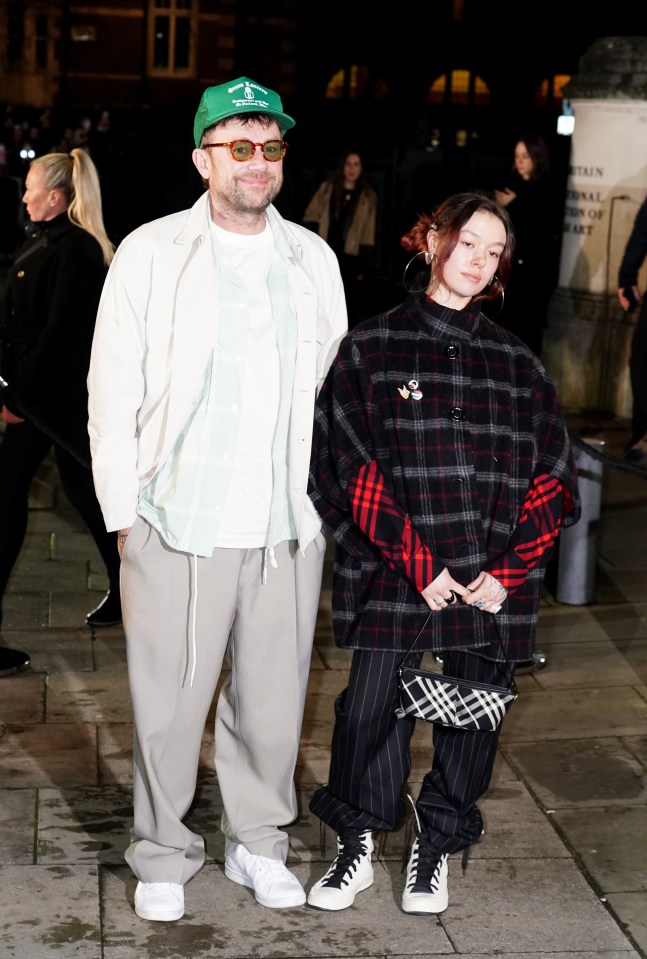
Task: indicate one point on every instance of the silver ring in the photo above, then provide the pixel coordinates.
(480, 603)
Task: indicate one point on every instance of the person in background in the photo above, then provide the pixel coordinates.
(631, 298)
(10, 209)
(530, 200)
(215, 330)
(53, 291)
(441, 464)
(343, 211)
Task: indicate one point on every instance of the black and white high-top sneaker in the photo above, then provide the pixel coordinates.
(350, 873)
(425, 887)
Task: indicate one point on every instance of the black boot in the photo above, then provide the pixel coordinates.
(108, 612)
(11, 660)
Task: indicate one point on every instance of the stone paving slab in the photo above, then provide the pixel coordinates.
(66, 921)
(22, 700)
(605, 665)
(115, 749)
(574, 624)
(630, 909)
(612, 843)
(576, 714)
(17, 818)
(528, 906)
(57, 650)
(48, 755)
(80, 697)
(584, 773)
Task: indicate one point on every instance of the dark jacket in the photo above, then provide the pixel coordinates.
(459, 462)
(635, 250)
(53, 293)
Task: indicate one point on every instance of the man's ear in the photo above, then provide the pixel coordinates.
(201, 163)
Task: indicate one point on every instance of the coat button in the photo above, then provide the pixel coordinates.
(451, 352)
(457, 413)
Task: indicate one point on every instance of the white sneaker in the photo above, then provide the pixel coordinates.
(350, 873)
(425, 887)
(274, 885)
(159, 901)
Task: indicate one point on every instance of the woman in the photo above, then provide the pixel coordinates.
(530, 201)
(54, 286)
(344, 211)
(442, 465)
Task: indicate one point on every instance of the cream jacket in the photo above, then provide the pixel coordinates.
(361, 231)
(156, 327)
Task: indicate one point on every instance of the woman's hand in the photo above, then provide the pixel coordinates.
(505, 196)
(443, 591)
(10, 417)
(486, 593)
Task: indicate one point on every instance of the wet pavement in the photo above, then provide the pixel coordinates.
(561, 872)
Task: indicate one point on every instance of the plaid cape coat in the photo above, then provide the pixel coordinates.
(458, 460)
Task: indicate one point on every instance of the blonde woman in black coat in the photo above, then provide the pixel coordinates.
(54, 287)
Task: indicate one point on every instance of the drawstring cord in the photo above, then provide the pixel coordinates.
(268, 552)
(194, 612)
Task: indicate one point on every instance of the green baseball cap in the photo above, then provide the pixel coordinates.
(238, 96)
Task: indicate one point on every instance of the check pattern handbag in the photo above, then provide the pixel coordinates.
(460, 703)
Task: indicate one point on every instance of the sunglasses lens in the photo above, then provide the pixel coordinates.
(242, 150)
(273, 150)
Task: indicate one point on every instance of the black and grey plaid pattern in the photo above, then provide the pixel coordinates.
(452, 702)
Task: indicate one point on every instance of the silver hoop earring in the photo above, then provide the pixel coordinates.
(502, 293)
(420, 281)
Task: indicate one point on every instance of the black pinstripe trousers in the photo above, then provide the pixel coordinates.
(371, 757)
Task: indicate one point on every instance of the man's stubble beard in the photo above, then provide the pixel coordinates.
(241, 202)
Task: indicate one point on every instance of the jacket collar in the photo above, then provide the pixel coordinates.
(196, 226)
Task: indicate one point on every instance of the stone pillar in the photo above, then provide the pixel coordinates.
(587, 339)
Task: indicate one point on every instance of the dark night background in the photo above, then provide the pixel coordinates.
(77, 61)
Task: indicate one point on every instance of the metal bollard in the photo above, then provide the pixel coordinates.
(578, 545)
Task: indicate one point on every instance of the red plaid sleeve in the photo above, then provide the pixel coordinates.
(389, 529)
(541, 518)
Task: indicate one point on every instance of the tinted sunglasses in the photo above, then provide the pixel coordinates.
(243, 150)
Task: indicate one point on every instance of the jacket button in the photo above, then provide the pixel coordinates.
(451, 352)
(457, 413)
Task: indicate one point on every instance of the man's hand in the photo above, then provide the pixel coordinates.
(122, 535)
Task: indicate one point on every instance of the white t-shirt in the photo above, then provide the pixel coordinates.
(246, 511)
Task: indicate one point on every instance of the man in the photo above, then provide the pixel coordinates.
(630, 297)
(215, 330)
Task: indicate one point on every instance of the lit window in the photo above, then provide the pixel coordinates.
(550, 92)
(357, 87)
(459, 89)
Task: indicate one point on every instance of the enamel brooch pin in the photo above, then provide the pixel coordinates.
(410, 390)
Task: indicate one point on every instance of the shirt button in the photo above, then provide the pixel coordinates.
(451, 352)
(457, 413)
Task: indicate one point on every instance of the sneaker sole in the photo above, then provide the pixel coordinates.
(287, 902)
(421, 910)
(168, 916)
(339, 902)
